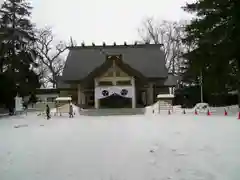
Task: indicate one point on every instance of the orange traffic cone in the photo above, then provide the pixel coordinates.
(208, 113)
(239, 115)
(225, 112)
(196, 113)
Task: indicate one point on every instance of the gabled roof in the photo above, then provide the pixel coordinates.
(147, 59)
(98, 71)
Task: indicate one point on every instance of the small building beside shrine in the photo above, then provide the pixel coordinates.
(116, 76)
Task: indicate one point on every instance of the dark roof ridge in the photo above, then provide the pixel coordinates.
(115, 46)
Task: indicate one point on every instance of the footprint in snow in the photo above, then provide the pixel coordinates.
(153, 149)
(20, 126)
(178, 153)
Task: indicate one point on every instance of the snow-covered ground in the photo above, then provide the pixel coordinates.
(151, 147)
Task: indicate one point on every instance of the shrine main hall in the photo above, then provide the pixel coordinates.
(116, 76)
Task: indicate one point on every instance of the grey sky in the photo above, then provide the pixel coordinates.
(103, 20)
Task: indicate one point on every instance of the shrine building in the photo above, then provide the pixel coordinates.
(116, 76)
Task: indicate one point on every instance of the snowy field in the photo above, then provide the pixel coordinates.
(149, 147)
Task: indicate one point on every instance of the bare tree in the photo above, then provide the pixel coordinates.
(169, 34)
(52, 62)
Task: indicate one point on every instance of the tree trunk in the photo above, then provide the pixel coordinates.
(238, 89)
(238, 83)
(1, 66)
(238, 98)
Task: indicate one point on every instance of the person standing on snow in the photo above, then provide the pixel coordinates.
(70, 111)
(48, 112)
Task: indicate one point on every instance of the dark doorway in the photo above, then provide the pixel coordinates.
(116, 101)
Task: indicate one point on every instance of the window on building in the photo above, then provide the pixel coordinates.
(123, 83)
(105, 83)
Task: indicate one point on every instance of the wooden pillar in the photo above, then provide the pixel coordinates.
(150, 94)
(159, 106)
(144, 97)
(133, 93)
(83, 101)
(79, 94)
(96, 101)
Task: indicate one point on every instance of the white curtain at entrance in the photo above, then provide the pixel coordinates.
(105, 91)
(124, 91)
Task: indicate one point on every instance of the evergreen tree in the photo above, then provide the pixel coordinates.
(17, 50)
(215, 33)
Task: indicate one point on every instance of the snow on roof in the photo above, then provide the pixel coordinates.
(162, 96)
(63, 99)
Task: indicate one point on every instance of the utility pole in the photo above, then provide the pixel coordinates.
(201, 86)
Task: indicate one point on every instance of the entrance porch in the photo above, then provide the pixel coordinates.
(120, 96)
(115, 84)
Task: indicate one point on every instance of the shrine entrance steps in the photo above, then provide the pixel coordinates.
(112, 111)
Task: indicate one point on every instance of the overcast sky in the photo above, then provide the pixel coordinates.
(103, 20)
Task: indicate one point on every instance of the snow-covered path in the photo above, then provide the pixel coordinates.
(120, 148)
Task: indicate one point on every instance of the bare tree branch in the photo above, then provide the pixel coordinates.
(51, 63)
(169, 34)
